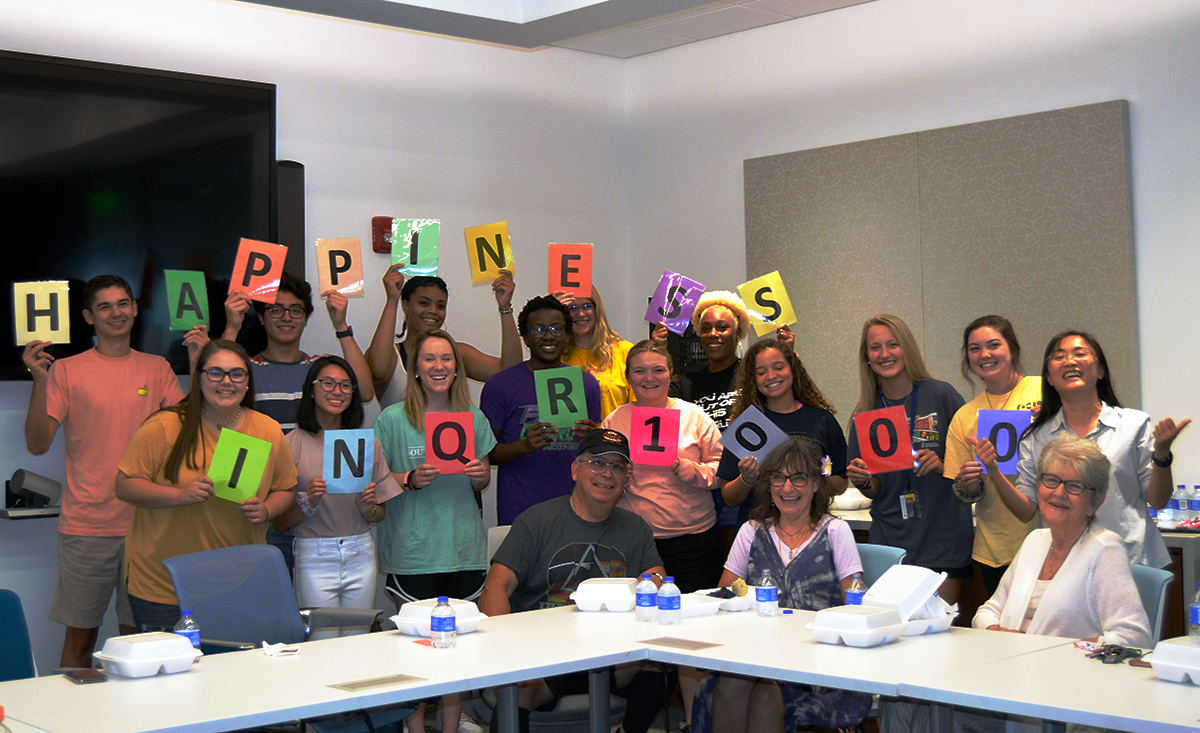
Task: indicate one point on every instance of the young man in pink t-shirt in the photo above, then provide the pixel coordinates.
(99, 398)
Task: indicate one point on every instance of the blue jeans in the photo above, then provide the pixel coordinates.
(151, 616)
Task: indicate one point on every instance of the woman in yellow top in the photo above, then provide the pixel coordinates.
(991, 352)
(598, 349)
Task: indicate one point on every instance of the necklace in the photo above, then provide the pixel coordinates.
(222, 423)
(1007, 396)
(792, 540)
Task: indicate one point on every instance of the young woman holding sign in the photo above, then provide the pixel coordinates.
(990, 351)
(335, 553)
(773, 379)
(431, 540)
(423, 301)
(164, 474)
(912, 508)
(598, 349)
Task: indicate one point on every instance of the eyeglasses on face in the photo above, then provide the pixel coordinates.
(329, 385)
(798, 480)
(553, 330)
(585, 307)
(277, 311)
(1052, 482)
(216, 374)
(618, 468)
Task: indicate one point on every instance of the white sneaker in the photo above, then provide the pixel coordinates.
(465, 724)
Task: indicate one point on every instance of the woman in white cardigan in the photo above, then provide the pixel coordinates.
(1071, 579)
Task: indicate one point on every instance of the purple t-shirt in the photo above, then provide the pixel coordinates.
(509, 401)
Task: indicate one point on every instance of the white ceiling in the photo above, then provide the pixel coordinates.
(618, 28)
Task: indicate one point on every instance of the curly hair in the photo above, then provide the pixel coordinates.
(725, 299)
(541, 303)
(796, 456)
(804, 389)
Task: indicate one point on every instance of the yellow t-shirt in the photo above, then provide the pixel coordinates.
(158, 534)
(614, 388)
(998, 533)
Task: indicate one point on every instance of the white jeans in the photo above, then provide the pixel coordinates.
(336, 572)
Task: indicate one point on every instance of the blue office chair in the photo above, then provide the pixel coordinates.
(1152, 584)
(876, 559)
(16, 653)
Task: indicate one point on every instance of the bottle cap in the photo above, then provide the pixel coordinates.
(443, 599)
(187, 612)
(645, 576)
(787, 611)
(669, 579)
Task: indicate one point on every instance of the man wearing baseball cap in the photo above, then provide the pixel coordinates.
(557, 544)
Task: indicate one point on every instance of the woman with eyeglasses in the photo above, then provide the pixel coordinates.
(164, 475)
(422, 301)
(811, 557)
(598, 349)
(1078, 398)
(335, 553)
(431, 540)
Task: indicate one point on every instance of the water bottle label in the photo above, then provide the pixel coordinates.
(1194, 614)
(766, 595)
(668, 603)
(193, 635)
(441, 624)
(647, 600)
(854, 597)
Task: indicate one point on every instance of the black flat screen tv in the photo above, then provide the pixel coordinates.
(129, 171)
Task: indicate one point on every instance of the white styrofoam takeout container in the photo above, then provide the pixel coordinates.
(920, 626)
(735, 604)
(413, 618)
(1177, 660)
(860, 626)
(145, 655)
(692, 605)
(615, 595)
(904, 588)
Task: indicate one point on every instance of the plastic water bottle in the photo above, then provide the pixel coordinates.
(647, 599)
(856, 590)
(187, 626)
(1168, 516)
(1194, 503)
(1153, 514)
(669, 613)
(1193, 619)
(766, 595)
(442, 630)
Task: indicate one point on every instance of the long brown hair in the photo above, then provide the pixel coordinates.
(191, 433)
(414, 394)
(914, 365)
(804, 389)
(796, 453)
(1003, 327)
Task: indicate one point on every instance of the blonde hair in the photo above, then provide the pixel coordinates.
(914, 365)
(600, 354)
(414, 393)
(725, 299)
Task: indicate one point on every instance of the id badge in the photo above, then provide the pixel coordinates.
(910, 506)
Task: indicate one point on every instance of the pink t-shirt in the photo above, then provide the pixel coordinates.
(841, 538)
(673, 505)
(100, 403)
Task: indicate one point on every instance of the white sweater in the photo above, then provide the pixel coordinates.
(1093, 594)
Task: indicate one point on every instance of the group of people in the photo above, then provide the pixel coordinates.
(137, 490)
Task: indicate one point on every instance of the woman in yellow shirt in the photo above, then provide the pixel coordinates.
(598, 349)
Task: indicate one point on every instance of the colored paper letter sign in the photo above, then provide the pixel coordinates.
(752, 434)
(349, 460)
(883, 439)
(257, 270)
(339, 267)
(40, 312)
(187, 296)
(571, 269)
(654, 436)
(673, 301)
(767, 302)
(238, 464)
(415, 245)
(1003, 428)
(449, 440)
(488, 251)
(560, 398)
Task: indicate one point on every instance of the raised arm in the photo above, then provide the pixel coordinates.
(381, 353)
(1162, 483)
(40, 428)
(337, 304)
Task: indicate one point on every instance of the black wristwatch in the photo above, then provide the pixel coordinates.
(1165, 463)
(343, 334)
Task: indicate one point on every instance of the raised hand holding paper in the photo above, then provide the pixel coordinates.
(767, 302)
(349, 460)
(883, 439)
(570, 269)
(257, 269)
(187, 296)
(1003, 429)
(449, 440)
(654, 436)
(40, 312)
(488, 251)
(560, 398)
(752, 434)
(674, 300)
(415, 244)
(238, 464)
(339, 267)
